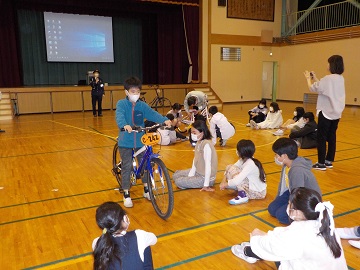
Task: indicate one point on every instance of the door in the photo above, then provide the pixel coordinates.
(269, 75)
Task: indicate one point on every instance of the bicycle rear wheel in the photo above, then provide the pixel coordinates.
(116, 170)
(162, 105)
(160, 188)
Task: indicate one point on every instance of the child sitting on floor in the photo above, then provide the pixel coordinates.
(305, 137)
(258, 113)
(247, 175)
(273, 119)
(220, 127)
(296, 121)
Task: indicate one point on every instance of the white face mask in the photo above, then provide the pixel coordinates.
(295, 113)
(261, 106)
(271, 109)
(278, 162)
(133, 97)
(194, 137)
(288, 213)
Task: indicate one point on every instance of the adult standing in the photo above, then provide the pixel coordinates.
(97, 92)
(330, 105)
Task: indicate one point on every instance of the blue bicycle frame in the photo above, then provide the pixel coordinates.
(149, 154)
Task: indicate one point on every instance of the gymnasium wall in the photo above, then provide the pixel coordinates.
(297, 58)
(238, 81)
(242, 81)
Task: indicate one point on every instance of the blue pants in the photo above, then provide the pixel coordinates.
(277, 208)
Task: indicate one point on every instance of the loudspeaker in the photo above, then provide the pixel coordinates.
(266, 36)
(222, 3)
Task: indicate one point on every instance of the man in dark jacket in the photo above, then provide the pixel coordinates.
(306, 137)
(97, 92)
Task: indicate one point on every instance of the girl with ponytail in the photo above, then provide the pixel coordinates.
(117, 249)
(310, 242)
(247, 175)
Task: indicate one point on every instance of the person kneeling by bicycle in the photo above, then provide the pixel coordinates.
(131, 112)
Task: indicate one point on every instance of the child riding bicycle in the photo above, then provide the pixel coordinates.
(131, 112)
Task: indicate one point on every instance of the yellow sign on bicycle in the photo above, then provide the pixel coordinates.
(150, 138)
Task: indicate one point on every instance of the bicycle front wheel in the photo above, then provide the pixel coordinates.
(160, 188)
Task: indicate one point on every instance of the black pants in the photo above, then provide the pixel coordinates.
(258, 118)
(248, 252)
(326, 132)
(98, 99)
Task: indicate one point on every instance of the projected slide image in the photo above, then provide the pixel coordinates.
(78, 38)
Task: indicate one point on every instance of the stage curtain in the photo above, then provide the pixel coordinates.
(9, 59)
(191, 25)
(172, 56)
(149, 49)
(37, 71)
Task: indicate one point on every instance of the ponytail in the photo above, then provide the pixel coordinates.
(329, 236)
(261, 169)
(309, 202)
(105, 252)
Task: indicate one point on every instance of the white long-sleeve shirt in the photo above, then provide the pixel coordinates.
(331, 98)
(273, 120)
(144, 239)
(207, 158)
(226, 129)
(250, 171)
(300, 123)
(298, 247)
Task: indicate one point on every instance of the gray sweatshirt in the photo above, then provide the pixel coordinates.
(331, 99)
(299, 175)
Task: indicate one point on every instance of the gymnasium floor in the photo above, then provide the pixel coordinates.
(55, 172)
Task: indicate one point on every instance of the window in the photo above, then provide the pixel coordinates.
(230, 54)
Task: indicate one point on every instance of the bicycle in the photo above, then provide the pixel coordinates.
(189, 119)
(158, 101)
(156, 173)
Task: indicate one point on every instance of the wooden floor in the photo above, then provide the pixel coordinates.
(55, 172)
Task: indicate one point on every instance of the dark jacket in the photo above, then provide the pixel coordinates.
(306, 135)
(97, 88)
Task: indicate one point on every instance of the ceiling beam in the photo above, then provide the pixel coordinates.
(303, 17)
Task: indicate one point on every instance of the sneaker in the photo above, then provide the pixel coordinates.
(128, 202)
(355, 243)
(279, 132)
(318, 166)
(223, 143)
(238, 251)
(328, 164)
(238, 200)
(347, 233)
(253, 124)
(248, 125)
(147, 196)
(185, 139)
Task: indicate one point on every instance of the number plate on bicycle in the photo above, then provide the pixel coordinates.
(150, 138)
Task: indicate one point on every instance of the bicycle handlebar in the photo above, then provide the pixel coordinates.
(143, 129)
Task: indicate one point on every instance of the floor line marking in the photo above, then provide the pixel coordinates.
(163, 237)
(82, 129)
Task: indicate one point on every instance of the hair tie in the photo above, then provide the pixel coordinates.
(320, 207)
(104, 230)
